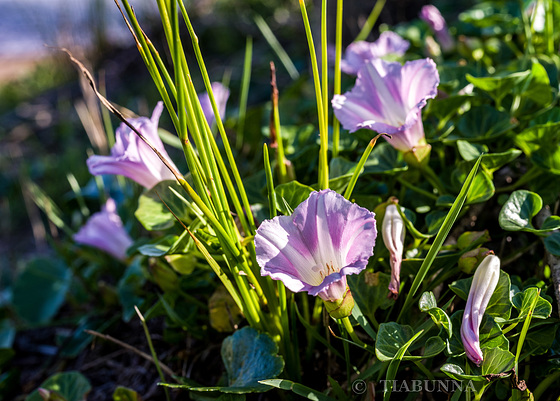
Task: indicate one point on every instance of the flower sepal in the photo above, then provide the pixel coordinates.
(341, 307)
(418, 156)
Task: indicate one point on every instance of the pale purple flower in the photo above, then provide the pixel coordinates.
(437, 23)
(221, 95)
(326, 238)
(483, 285)
(131, 157)
(393, 237)
(387, 98)
(357, 53)
(104, 230)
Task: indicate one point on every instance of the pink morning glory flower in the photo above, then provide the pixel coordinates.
(437, 23)
(221, 95)
(131, 157)
(483, 285)
(104, 230)
(387, 98)
(357, 53)
(326, 238)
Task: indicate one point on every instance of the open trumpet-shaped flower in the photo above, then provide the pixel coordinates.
(104, 230)
(431, 15)
(131, 157)
(387, 97)
(393, 237)
(357, 53)
(483, 285)
(326, 238)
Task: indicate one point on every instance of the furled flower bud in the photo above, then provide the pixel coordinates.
(393, 237)
(437, 23)
(483, 285)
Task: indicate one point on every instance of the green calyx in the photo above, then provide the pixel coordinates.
(341, 307)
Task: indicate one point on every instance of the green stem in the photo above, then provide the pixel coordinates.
(432, 178)
(321, 109)
(524, 331)
(371, 20)
(509, 328)
(152, 351)
(221, 129)
(350, 330)
(245, 82)
(280, 160)
(416, 189)
(530, 175)
(337, 74)
(269, 183)
(545, 384)
(359, 168)
(529, 50)
(549, 26)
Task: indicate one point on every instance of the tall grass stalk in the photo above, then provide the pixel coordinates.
(321, 107)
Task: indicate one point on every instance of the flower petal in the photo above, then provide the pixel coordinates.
(104, 230)
(326, 238)
(132, 157)
(358, 53)
(221, 95)
(387, 97)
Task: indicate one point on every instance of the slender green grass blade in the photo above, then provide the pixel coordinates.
(371, 20)
(394, 367)
(440, 237)
(245, 83)
(269, 183)
(277, 47)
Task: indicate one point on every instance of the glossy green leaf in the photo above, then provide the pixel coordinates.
(290, 195)
(499, 304)
(384, 159)
(428, 304)
(73, 386)
(519, 210)
(390, 339)
(496, 361)
(456, 372)
(152, 212)
(472, 239)
(552, 243)
(500, 85)
(540, 143)
(129, 289)
(483, 123)
(394, 365)
(370, 291)
(482, 187)
(523, 301)
(540, 339)
(393, 336)
(434, 221)
(493, 161)
(250, 357)
(470, 151)
(125, 394)
(40, 289)
(297, 388)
